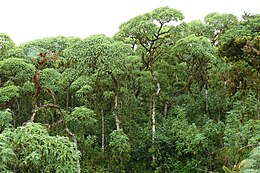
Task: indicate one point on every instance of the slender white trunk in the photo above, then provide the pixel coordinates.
(116, 102)
(115, 114)
(103, 131)
(165, 110)
(157, 92)
(158, 89)
(153, 118)
(153, 124)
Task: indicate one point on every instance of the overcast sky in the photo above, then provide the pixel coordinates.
(25, 20)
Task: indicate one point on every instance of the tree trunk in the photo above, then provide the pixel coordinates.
(103, 131)
(116, 102)
(72, 101)
(165, 110)
(156, 94)
(153, 123)
(115, 114)
(206, 100)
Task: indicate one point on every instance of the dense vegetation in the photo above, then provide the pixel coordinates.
(162, 95)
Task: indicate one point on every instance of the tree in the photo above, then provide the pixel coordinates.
(5, 119)
(148, 33)
(197, 54)
(15, 86)
(102, 56)
(241, 42)
(153, 98)
(179, 144)
(251, 164)
(241, 130)
(6, 44)
(120, 149)
(31, 149)
(240, 45)
(100, 63)
(218, 23)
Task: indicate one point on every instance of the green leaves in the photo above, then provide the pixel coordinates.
(241, 130)
(149, 33)
(146, 25)
(120, 148)
(5, 119)
(252, 163)
(7, 154)
(15, 70)
(165, 15)
(179, 143)
(220, 21)
(51, 79)
(6, 44)
(198, 47)
(36, 151)
(119, 143)
(81, 118)
(8, 92)
(241, 42)
(205, 107)
(50, 44)
(98, 53)
(197, 54)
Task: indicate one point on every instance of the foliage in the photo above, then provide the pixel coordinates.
(241, 130)
(81, 119)
(197, 54)
(252, 163)
(5, 119)
(8, 92)
(31, 149)
(120, 149)
(6, 44)
(16, 71)
(241, 42)
(161, 95)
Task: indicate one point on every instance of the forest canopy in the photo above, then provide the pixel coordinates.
(161, 95)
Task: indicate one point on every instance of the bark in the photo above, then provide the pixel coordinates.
(72, 101)
(165, 110)
(158, 85)
(156, 94)
(206, 100)
(37, 108)
(116, 102)
(115, 114)
(103, 131)
(153, 123)
(153, 118)
(51, 106)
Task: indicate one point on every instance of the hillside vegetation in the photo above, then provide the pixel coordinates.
(162, 95)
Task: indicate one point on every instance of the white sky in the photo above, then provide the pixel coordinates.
(25, 20)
